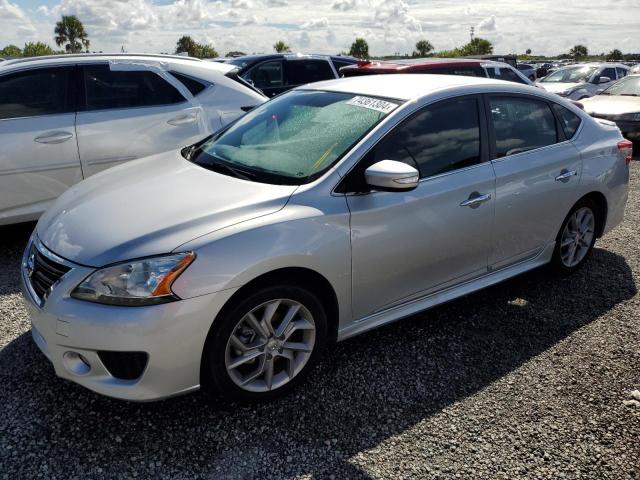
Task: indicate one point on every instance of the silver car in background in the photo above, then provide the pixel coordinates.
(328, 211)
(64, 118)
(580, 81)
(619, 103)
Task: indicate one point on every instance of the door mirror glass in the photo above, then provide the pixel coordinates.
(604, 80)
(391, 176)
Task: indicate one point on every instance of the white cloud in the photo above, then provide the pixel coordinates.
(488, 24)
(314, 24)
(329, 27)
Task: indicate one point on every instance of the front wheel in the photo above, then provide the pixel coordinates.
(265, 345)
(576, 237)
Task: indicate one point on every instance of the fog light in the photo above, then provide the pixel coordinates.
(76, 363)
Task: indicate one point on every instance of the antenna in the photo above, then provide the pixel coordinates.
(472, 30)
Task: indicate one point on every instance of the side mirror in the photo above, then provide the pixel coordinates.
(392, 176)
(604, 80)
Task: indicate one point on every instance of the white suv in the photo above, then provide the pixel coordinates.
(64, 118)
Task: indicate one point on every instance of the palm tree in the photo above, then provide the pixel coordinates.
(70, 32)
(281, 47)
(423, 48)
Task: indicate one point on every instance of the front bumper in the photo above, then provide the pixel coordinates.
(172, 335)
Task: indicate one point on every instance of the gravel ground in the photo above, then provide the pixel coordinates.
(523, 380)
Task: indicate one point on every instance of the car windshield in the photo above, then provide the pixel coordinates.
(571, 75)
(295, 137)
(629, 86)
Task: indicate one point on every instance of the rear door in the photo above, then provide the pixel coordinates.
(39, 154)
(128, 113)
(537, 174)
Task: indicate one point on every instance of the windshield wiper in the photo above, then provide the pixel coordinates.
(229, 170)
(630, 95)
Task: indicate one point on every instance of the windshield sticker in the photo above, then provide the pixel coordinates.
(372, 104)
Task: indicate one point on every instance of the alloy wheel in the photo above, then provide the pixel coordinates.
(270, 345)
(577, 237)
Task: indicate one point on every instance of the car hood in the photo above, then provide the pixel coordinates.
(558, 87)
(149, 207)
(611, 104)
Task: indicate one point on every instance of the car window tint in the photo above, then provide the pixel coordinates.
(568, 120)
(299, 72)
(503, 73)
(443, 137)
(106, 88)
(621, 72)
(31, 93)
(608, 72)
(193, 85)
(466, 71)
(266, 75)
(338, 64)
(521, 124)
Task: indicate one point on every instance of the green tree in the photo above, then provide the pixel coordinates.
(359, 48)
(477, 46)
(70, 32)
(10, 51)
(37, 49)
(578, 52)
(281, 47)
(188, 45)
(235, 53)
(528, 52)
(615, 54)
(423, 48)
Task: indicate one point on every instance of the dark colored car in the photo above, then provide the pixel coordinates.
(277, 73)
(442, 66)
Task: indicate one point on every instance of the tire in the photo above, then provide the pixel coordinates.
(238, 368)
(562, 262)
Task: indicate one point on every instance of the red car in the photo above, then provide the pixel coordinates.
(442, 66)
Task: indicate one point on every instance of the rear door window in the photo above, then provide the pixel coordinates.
(193, 85)
(299, 72)
(621, 72)
(441, 138)
(42, 91)
(112, 89)
(266, 75)
(609, 72)
(521, 124)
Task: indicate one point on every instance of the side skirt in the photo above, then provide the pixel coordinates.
(414, 306)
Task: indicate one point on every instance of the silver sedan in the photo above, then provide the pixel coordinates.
(326, 212)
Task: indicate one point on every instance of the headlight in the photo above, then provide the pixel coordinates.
(140, 282)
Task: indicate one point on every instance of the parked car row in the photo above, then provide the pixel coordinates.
(583, 80)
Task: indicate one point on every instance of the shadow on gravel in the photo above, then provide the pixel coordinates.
(13, 239)
(367, 390)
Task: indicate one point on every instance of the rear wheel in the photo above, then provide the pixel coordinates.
(576, 237)
(266, 345)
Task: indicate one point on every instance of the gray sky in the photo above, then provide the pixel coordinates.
(544, 26)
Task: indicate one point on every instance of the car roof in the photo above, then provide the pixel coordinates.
(406, 86)
(105, 57)
(595, 64)
(418, 64)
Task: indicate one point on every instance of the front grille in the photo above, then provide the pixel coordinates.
(43, 272)
(124, 365)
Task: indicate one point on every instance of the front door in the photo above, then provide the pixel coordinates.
(39, 154)
(408, 244)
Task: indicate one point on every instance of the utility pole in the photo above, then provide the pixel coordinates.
(472, 31)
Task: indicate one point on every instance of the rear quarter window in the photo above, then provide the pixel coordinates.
(193, 85)
(569, 121)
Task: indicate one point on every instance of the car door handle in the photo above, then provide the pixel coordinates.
(565, 175)
(186, 119)
(55, 137)
(475, 199)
